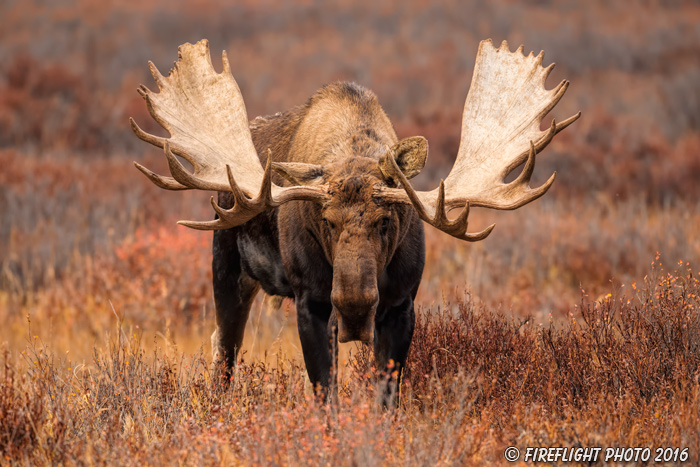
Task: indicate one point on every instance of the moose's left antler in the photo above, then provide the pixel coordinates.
(505, 106)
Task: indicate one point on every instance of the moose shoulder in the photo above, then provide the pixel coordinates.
(332, 221)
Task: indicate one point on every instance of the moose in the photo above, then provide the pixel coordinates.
(316, 203)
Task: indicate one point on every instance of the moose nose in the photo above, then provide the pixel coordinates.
(357, 303)
(355, 295)
(355, 315)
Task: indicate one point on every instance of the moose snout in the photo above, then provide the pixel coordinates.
(352, 303)
(352, 327)
(355, 294)
(355, 315)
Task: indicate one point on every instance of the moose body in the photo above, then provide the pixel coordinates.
(372, 273)
(316, 203)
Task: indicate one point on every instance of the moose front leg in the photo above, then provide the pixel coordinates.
(392, 338)
(318, 344)
(234, 292)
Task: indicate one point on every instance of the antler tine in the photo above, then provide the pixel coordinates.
(157, 77)
(547, 138)
(182, 175)
(185, 177)
(238, 195)
(554, 130)
(559, 92)
(216, 224)
(457, 227)
(526, 174)
(177, 170)
(395, 172)
(243, 208)
(568, 121)
(147, 137)
(440, 214)
(476, 237)
(539, 146)
(521, 185)
(265, 194)
(227, 216)
(167, 183)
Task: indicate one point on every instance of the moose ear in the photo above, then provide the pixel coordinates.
(410, 155)
(300, 173)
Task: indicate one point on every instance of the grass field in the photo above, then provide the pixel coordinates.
(576, 323)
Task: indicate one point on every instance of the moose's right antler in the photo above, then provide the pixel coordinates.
(505, 106)
(205, 115)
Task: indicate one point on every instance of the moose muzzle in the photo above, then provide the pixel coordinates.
(356, 328)
(355, 298)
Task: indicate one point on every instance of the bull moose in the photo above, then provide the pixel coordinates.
(315, 203)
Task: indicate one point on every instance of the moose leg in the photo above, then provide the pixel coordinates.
(318, 344)
(392, 339)
(234, 292)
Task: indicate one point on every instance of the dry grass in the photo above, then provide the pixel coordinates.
(622, 371)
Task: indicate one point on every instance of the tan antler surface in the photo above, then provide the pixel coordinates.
(506, 104)
(205, 115)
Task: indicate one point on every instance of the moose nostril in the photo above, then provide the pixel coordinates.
(363, 301)
(338, 301)
(371, 299)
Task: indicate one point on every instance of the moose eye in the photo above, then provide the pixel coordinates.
(329, 224)
(384, 225)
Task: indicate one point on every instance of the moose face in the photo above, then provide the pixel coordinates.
(357, 228)
(359, 236)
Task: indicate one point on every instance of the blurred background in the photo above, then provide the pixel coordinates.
(85, 237)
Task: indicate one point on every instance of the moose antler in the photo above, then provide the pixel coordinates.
(505, 106)
(205, 115)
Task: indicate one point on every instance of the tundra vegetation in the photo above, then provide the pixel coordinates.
(575, 323)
